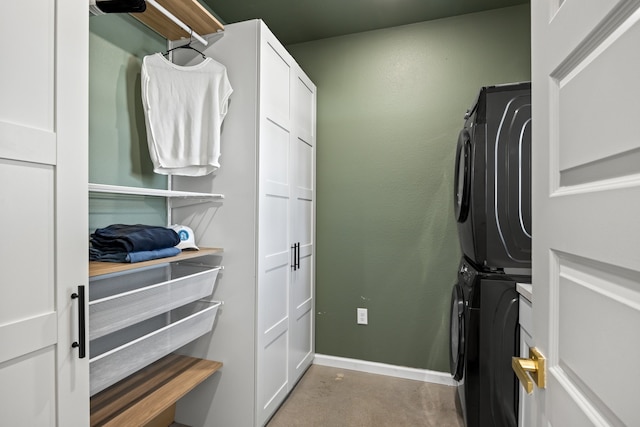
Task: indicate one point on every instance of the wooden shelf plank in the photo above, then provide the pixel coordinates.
(138, 399)
(191, 12)
(98, 268)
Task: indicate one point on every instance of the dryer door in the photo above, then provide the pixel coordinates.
(462, 186)
(456, 348)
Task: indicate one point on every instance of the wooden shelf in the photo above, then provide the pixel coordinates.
(98, 268)
(191, 12)
(138, 399)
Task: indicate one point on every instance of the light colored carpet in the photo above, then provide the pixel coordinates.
(333, 397)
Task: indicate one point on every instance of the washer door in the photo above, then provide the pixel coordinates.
(462, 186)
(456, 348)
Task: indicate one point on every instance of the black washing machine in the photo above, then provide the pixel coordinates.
(493, 179)
(463, 349)
(484, 338)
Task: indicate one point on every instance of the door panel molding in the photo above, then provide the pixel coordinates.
(27, 144)
(28, 335)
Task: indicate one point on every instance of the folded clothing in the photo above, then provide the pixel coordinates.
(119, 238)
(107, 256)
(155, 254)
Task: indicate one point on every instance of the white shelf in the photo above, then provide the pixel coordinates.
(138, 191)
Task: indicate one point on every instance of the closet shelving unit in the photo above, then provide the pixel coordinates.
(151, 392)
(149, 395)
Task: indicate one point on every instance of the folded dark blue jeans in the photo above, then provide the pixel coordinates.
(133, 238)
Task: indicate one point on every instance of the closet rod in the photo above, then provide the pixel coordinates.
(178, 22)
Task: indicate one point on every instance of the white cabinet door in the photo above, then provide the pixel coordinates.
(586, 210)
(286, 225)
(301, 295)
(274, 247)
(43, 256)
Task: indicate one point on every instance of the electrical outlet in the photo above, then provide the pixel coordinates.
(362, 316)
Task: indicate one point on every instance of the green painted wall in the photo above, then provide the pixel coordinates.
(118, 152)
(390, 105)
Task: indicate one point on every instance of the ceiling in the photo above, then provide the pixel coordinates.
(297, 21)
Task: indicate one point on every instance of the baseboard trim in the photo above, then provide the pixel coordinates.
(385, 369)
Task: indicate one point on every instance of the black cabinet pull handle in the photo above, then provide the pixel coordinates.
(293, 259)
(81, 344)
(298, 256)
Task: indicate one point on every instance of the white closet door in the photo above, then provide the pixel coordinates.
(43, 256)
(301, 303)
(274, 238)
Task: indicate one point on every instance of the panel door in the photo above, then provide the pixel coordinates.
(586, 205)
(274, 247)
(301, 304)
(43, 256)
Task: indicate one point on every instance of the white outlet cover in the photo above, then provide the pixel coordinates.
(362, 316)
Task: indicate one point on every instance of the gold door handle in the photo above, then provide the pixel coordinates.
(530, 370)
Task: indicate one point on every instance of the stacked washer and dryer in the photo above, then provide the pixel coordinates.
(493, 211)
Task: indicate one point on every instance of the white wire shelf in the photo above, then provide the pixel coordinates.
(154, 192)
